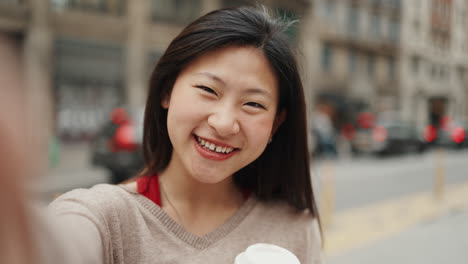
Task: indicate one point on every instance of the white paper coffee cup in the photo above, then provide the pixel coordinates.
(266, 254)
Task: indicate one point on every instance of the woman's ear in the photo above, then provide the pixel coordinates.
(165, 102)
(278, 121)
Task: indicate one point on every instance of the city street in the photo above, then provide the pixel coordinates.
(358, 181)
(364, 180)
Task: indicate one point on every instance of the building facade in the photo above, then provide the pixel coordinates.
(434, 61)
(85, 57)
(357, 55)
(394, 58)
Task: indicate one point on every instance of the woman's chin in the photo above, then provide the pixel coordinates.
(209, 175)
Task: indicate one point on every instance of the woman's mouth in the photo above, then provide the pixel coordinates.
(206, 144)
(213, 150)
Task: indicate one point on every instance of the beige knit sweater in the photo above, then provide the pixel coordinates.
(113, 224)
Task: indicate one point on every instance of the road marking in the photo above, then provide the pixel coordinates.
(358, 227)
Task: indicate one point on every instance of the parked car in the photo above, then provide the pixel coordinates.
(453, 136)
(117, 145)
(391, 137)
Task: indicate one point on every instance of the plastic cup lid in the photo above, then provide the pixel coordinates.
(266, 254)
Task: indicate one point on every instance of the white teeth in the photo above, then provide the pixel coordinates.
(213, 147)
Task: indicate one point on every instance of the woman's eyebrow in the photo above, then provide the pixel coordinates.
(213, 77)
(258, 91)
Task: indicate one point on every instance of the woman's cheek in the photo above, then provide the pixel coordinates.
(260, 129)
(194, 112)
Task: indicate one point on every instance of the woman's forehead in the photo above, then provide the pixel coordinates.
(235, 65)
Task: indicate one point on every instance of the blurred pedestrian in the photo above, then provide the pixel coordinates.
(225, 145)
(324, 131)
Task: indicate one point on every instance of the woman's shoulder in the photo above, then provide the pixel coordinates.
(283, 214)
(283, 210)
(98, 198)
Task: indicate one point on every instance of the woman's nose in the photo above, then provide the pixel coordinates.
(224, 121)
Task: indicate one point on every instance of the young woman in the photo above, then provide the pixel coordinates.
(225, 145)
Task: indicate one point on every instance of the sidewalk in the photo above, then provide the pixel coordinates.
(74, 170)
(412, 229)
(437, 241)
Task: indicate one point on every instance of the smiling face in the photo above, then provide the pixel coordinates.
(221, 113)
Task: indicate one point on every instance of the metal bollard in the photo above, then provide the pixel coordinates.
(439, 180)
(328, 193)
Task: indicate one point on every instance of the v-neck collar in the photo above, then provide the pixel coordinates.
(195, 241)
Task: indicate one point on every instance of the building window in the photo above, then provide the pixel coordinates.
(433, 71)
(353, 21)
(375, 26)
(376, 3)
(352, 62)
(444, 72)
(152, 60)
(365, 22)
(415, 62)
(385, 28)
(391, 68)
(234, 3)
(13, 2)
(394, 31)
(175, 11)
(88, 85)
(371, 65)
(395, 3)
(102, 6)
(461, 74)
(329, 8)
(327, 57)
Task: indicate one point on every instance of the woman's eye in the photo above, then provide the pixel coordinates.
(206, 89)
(254, 104)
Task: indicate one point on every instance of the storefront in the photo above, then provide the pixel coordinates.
(88, 82)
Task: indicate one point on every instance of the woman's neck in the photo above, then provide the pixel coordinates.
(183, 189)
(198, 207)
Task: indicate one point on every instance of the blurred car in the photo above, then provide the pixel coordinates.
(117, 145)
(391, 137)
(453, 136)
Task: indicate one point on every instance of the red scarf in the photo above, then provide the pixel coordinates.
(148, 186)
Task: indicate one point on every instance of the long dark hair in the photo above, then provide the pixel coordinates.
(282, 170)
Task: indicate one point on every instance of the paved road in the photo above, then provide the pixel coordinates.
(363, 181)
(435, 241)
